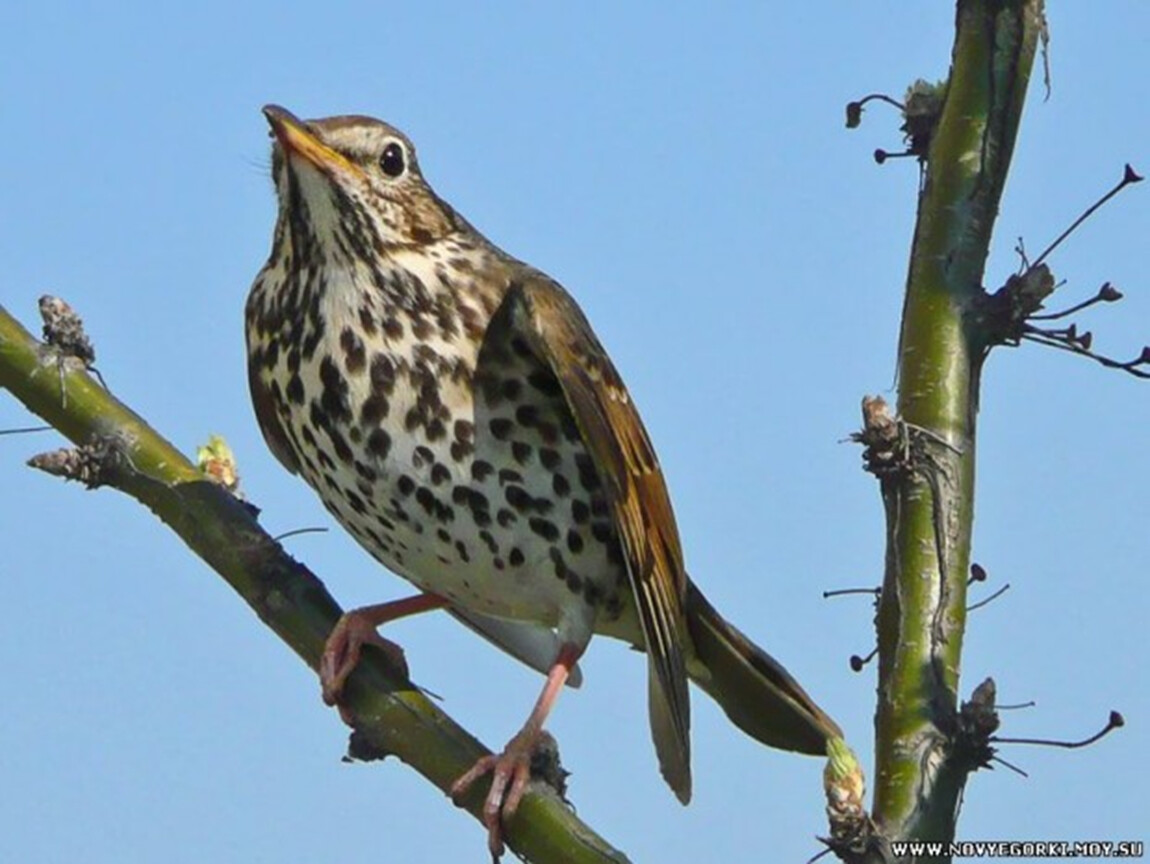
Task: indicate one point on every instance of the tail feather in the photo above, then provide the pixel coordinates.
(753, 688)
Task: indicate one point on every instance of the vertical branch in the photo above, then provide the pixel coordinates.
(930, 507)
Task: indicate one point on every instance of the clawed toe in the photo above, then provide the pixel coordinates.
(510, 771)
(342, 652)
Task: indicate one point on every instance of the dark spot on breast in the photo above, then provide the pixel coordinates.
(560, 486)
(295, 392)
(355, 502)
(463, 430)
(339, 443)
(334, 397)
(378, 443)
(355, 358)
(367, 321)
(442, 534)
(382, 374)
(435, 430)
(570, 430)
(413, 420)
(481, 470)
(405, 485)
(518, 498)
(580, 512)
(515, 557)
(588, 476)
(318, 417)
(527, 415)
(426, 499)
(549, 458)
(506, 518)
(365, 471)
(545, 528)
(420, 328)
(615, 555)
(374, 409)
(489, 541)
(500, 427)
(509, 475)
(521, 451)
(392, 326)
(511, 388)
(422, 455)
(439, 474)
(462, 550)
(574, 542)
(545, 382)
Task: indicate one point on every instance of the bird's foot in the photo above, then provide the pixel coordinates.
(510, 771)
(342, 651)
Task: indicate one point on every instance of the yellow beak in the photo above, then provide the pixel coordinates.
(296, 140)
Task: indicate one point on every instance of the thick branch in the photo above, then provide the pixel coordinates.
(929, 506)
(390, 713)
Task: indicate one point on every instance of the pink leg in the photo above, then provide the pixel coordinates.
(358, 628)
(513, 765)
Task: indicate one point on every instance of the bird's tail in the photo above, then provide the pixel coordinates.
(753, 688)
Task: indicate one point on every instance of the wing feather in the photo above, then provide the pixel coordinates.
(542, 313)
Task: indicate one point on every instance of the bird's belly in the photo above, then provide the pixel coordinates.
(504, 525)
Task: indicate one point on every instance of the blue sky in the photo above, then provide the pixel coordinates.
(686, 174)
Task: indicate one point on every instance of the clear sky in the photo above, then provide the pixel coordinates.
(685, 172)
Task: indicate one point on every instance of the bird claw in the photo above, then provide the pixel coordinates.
(342, 651)
(510, 771)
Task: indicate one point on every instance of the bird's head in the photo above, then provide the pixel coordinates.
(352, 185)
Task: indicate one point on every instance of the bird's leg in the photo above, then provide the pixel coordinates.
(358, 628)
(511, 769)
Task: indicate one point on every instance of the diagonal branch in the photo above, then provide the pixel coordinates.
(391, 714)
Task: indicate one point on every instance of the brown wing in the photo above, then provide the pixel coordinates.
(544, 315)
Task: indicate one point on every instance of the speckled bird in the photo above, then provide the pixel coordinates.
(455, 412)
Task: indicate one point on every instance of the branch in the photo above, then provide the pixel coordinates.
(391, 716)
(929, 501)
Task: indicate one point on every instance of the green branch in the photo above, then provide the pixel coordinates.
(930, 504)
(391, 715)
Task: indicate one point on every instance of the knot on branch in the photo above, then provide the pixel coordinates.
(893, 448)
(94, 464)
(64, 331)
(883, 438)
(921, 109)
(1009, 315)
(977, 721)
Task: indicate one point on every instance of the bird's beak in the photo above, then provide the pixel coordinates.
(295, 139)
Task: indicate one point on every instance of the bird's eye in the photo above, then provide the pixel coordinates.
(393, 161)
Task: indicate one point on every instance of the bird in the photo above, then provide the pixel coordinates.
(455, 412)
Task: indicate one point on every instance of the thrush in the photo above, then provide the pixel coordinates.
(454, 411)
